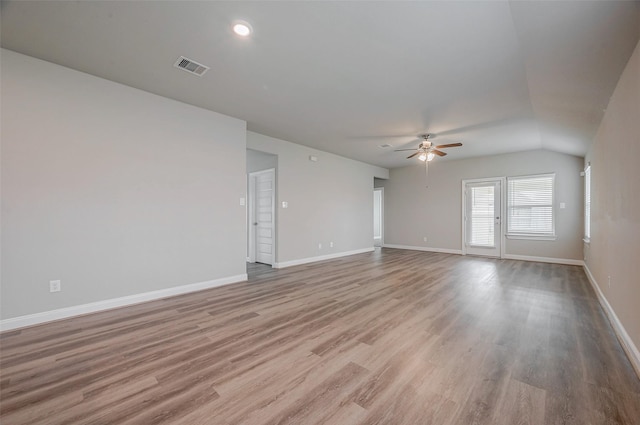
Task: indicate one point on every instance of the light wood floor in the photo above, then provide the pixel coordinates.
(391, 337)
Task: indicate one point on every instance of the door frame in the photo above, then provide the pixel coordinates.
(251, 215)
(381, 190)
(503, 198)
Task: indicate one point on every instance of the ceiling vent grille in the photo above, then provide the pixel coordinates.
(191, 66)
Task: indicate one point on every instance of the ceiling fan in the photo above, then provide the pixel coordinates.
(426, 150)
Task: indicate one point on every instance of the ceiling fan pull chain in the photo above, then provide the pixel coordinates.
(426, 167)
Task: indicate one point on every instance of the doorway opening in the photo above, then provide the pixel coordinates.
(378, 216)
(261, 211)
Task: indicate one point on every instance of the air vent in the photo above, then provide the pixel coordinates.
(191, 66)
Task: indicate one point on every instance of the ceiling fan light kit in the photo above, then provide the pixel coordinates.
(426, 156)
(427, 151)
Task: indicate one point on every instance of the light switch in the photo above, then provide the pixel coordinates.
(285, 204)
(562, 205)
(242, 202)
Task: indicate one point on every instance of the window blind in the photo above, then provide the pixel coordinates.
(530, 205)
(482, 225)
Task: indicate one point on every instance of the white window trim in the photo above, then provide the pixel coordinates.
(587, 211)
(534, 236)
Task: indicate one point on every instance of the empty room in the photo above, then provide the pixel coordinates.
(320, 212)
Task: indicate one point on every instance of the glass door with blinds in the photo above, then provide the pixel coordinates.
(482, 223)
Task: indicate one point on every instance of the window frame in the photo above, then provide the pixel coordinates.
(532, 235)
(587, 204)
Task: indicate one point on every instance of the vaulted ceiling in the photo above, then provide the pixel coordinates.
(347, 77)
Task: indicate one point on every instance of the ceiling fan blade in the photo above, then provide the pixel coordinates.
(450, 145)
(439, 153)
(413, 154)
(400, 150)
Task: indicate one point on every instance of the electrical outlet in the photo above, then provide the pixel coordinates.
(424, 239)
(330, 244)
(319, 246)
(54, 286)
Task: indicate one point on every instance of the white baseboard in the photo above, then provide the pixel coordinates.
(301, 261)
(505, 256)
(544, 259)
(77, 310)
(625, 340)
(424, 248)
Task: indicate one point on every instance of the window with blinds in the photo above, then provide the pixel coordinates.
(587, 203)
(530, 205)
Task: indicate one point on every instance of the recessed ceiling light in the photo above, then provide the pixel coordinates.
(243, 29)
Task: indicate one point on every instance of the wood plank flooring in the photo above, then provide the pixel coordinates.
(390, 337)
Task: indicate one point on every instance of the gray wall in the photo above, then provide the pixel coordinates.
(413, 211)
(112, 190)
(615, 207)
(330, 200)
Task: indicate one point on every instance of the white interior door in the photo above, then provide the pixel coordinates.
(262, 231)
(482, 222)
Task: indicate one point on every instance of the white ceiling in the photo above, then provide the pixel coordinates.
(346, 77)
